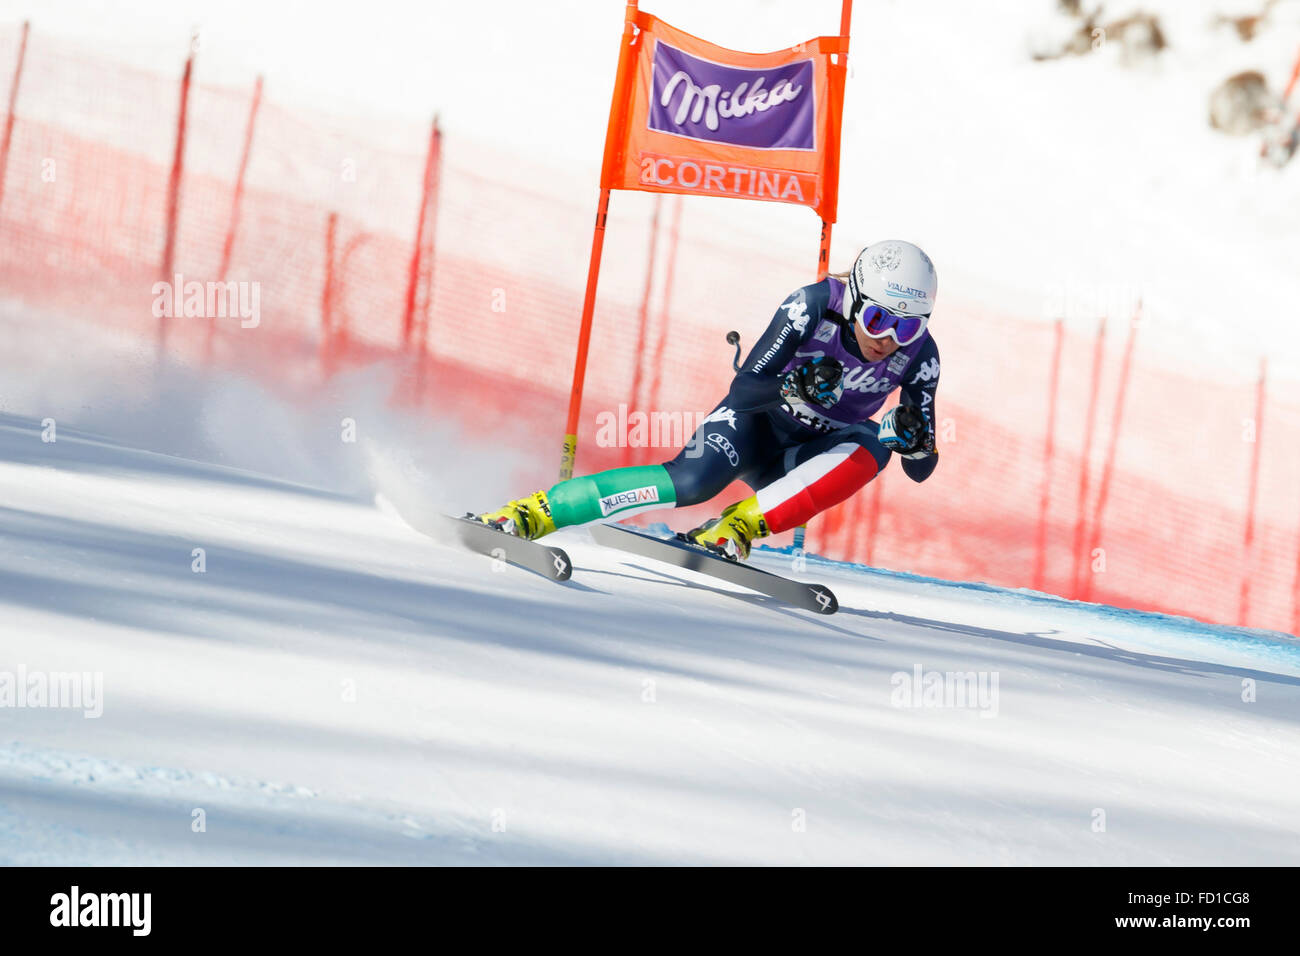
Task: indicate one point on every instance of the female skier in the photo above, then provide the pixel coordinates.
(796, 423)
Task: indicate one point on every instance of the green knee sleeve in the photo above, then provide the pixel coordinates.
(608, 494)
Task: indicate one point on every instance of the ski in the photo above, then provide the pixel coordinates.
(811, 597)
(475, 536)
(542, 559)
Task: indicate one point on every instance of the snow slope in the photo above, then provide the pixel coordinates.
(336, 687)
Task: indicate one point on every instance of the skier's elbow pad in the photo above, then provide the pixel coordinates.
(919, 469)
(750, 392)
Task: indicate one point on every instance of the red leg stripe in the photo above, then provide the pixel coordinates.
(819, 483)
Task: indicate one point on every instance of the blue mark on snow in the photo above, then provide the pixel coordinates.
(1166, 632)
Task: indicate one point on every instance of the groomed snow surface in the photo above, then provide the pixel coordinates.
(335, 687)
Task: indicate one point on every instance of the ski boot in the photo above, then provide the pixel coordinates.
(525, 518)
(731, 534)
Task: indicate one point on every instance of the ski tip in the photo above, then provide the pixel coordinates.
(562, 564)
(823, 599)
(486, 539)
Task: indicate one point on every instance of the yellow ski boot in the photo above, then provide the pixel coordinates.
(731, 534)
(525, 518)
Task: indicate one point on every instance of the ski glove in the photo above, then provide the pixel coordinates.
(904, 430)
(818, 381)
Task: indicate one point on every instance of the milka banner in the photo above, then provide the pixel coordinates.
(691, 117)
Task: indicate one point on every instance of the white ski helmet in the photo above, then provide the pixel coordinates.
(899, 280)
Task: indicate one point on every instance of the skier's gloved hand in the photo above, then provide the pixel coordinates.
(818, 381)
(904, 430)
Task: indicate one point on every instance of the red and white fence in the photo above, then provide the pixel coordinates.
(1073, 461)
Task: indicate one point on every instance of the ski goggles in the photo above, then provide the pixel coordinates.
(878, 322)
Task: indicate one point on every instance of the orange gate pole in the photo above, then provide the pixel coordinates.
(570, 452)
(833, 149)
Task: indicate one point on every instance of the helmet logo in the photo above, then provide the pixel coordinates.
(886, 259)
(896, 289)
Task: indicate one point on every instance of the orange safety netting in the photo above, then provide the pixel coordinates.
(1152, 513)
